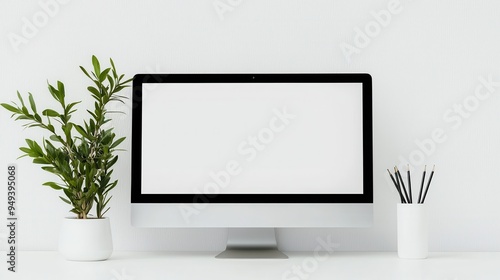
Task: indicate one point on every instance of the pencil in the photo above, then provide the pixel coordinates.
(397, 187)
(428, 184)
(402, 184)
(409, 184)
(422, 185)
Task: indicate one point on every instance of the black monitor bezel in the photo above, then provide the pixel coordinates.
(136, 139)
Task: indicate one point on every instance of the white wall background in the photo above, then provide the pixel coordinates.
(427, 59)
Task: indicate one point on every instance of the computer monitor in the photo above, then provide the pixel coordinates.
(251, 153)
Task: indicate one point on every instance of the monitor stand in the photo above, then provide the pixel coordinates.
(251, 243)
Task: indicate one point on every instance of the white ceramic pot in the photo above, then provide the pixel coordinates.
(85, 239)
(412, 231)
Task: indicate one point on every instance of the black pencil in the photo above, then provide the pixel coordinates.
(422, 185)
(397, 187)
(402, 184)
(409, 184)
(428, 184)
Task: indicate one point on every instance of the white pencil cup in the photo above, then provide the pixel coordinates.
(412, 231)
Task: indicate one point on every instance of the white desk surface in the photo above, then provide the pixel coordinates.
(203, 265)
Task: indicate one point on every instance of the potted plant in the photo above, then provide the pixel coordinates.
(81, 156)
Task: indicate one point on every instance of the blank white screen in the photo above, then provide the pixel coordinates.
(258, 138)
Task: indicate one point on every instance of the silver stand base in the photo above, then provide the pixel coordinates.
(246, 253)
(251, 243)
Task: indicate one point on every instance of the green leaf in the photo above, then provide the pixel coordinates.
(51, 128)
(112, 186)
(85, 72)
(106, 139)
(30, 143)
(53, 185)
(117, 142)
(106, 202)
(112, 162)
(92, 126)
(40, 160)
(120, 96)
(37, 149)
(104, 213)
(34, 146)
(97, 67)
(11, 108)
(114, 68)
(51, 169)
(25, 155)
(81, 130)
(111, 82)
(60, 88)
(103, 75)
(68, 193)
(32, 102)
(65, 200)
(51, 150)
(67, 130)
(25, 111)
(26, 150)
(22, 117)
(54, 138)
(92, 114)
(94, 91)
(127, 81)
(50, 113)
(53, 91)
(71, 105)
(112, 63)
(20, 99)
(34, 125)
